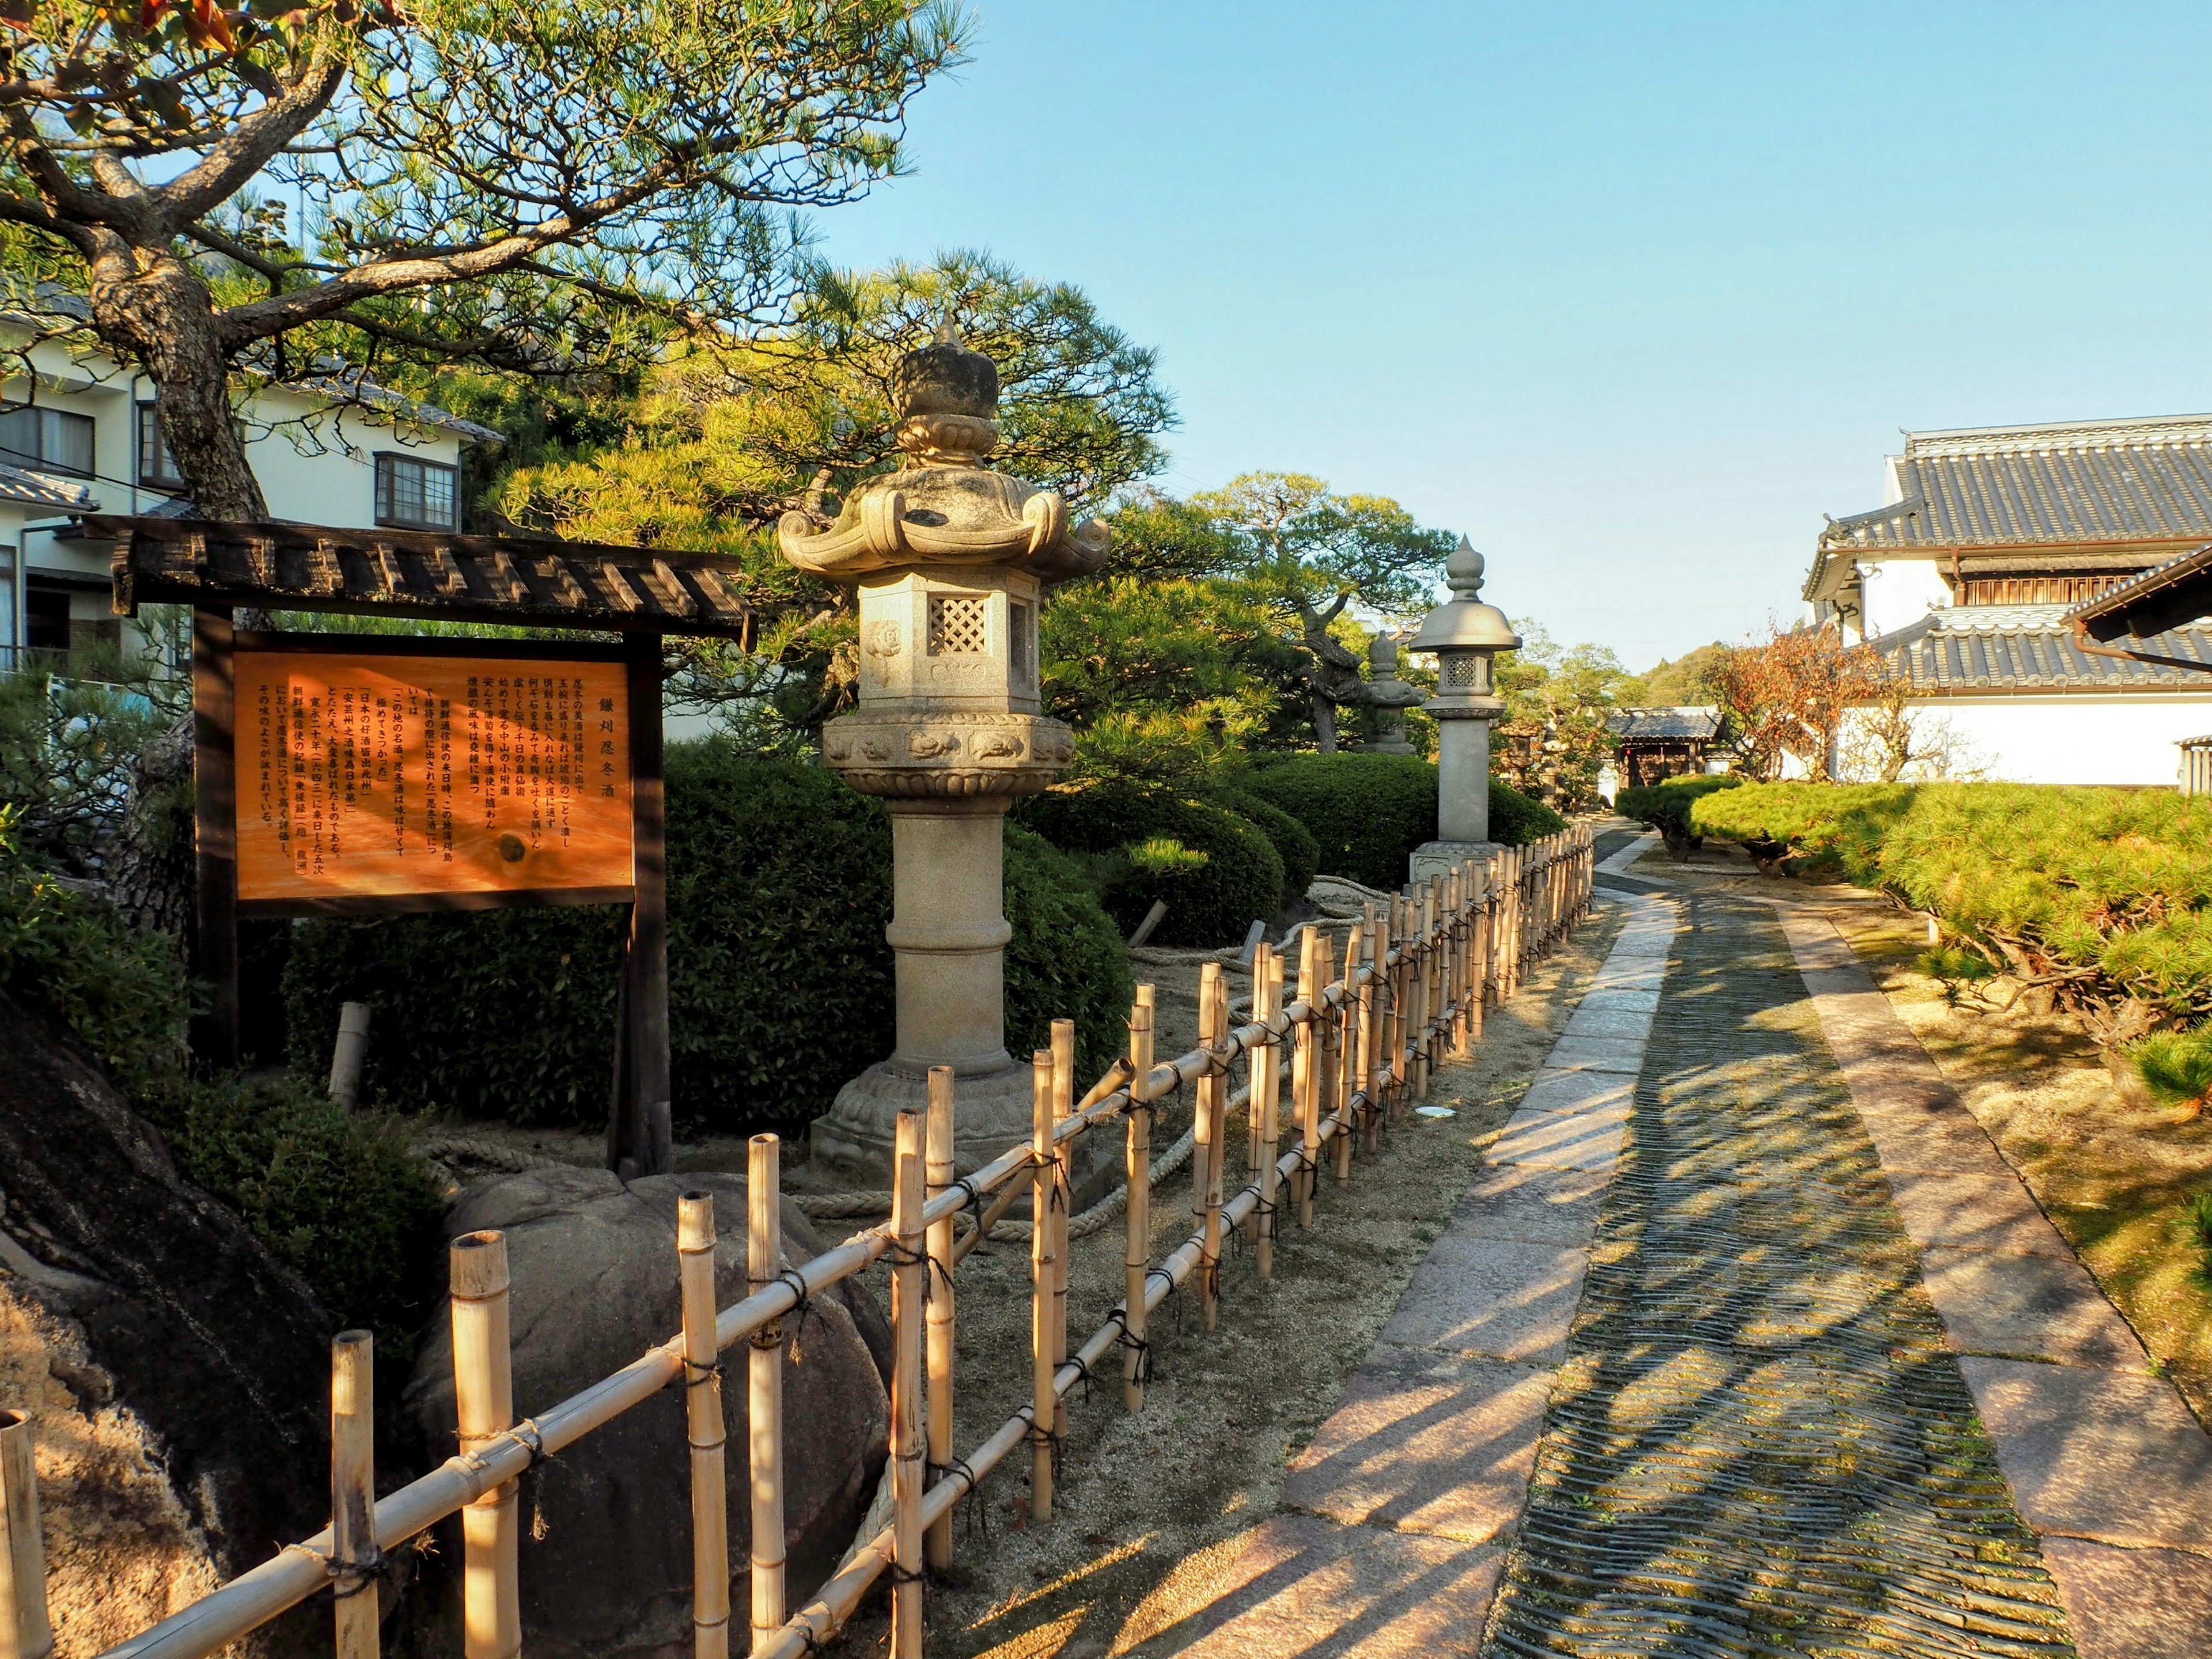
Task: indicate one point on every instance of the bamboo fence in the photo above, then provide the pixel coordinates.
(1363, 1034)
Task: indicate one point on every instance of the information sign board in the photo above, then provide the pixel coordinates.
(459, 776)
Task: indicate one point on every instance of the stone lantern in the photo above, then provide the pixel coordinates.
(1466, 634)
(1392, 695)
(950, 561)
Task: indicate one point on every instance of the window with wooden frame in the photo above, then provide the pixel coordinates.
(157, 467)
(413, 494)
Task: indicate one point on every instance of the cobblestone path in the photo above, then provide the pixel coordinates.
(1759, 1444)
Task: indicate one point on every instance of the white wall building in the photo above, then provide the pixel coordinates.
(78, 435)
(1963, 578)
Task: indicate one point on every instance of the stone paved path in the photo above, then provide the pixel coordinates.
(1758, 1443)
(1748, 1342)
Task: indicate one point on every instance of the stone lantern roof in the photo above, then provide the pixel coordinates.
(943, 507)
(1465, 623)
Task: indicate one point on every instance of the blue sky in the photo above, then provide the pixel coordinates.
(1631, 293)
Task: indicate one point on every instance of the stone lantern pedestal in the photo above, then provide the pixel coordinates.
(951, 561)
(1466, 634)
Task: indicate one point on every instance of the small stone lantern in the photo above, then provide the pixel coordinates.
(950, 561)
(1391, 694)
(1466, 634)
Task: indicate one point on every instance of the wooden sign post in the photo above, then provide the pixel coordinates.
(366, 773)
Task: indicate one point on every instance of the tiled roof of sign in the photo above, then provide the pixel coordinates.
(2094, 482)
(1994, 650)
(1676, 725)
(21, 487)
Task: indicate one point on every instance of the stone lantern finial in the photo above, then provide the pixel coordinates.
(950, 561)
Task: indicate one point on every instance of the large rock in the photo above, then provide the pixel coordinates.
(606, 1547)
(177, 1373)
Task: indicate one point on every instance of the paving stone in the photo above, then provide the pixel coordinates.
(1572, 1053)
(2046, 1307)
(1491, 1299)
(1630, 974)
(1637, 1001)
(2133, 1604)
(1561, 1140)
(1538, 1206)
(1933, 1148)
(2102, 1455)
(1580, 1091)
(1426, 1444)
(1301, 1585)
(1985, 1211)
(1610, 1022)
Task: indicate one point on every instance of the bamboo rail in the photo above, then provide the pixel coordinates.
(1364, 1042)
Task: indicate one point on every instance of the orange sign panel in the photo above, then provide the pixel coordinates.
(382, 776)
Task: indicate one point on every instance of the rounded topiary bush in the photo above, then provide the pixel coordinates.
(1293, 842)
(1516, 820)
(1217, 871)
(779, 979)
(1368, 813)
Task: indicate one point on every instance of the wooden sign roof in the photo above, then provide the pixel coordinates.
(429, 577)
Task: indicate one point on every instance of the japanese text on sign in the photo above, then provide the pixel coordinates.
(369, 775)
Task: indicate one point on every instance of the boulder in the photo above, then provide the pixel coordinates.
(606, 1545)
(177, 1375)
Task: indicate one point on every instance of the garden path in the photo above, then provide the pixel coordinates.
(1746, 1342)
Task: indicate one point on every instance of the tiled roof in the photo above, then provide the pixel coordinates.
(1981, 650)
(2179, 591)
(21, 486)
(1676, 724)
(2080, 482)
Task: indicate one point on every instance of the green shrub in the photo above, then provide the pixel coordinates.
(2177, 1067)
(2105, 893)
(1665, 807)
(1516, 820)
(1213, 903)
(1293, 842)
(1066, 960)
(120, 992)
(337, 1196)
(1368, 813)
(779, 979)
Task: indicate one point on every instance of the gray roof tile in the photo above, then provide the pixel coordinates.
(1970, 649)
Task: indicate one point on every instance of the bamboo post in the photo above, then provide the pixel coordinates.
(1478, 949)
(1373, 1023)
(1438, 1012)
(1137, 1248)
(1401, 1004)
(1266, 1085)
(765, 1386)
(909, 1280)
(703, 1409)
(1260, 955)
(1302, 1070)
(1347, 1042)
(1063, 1173)
(483, 1398)
(1206, 1157)
(941, 1173)
(1044, 1276)
(1313, 975)
(353, 1493)
(1417, 994)
(25, 1632)
(1456, 963)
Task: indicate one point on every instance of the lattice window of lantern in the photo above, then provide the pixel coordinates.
(1460, 672)
(1023, 637)
(957, 625)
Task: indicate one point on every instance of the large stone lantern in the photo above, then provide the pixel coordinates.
(1466, 634)
(950, 561)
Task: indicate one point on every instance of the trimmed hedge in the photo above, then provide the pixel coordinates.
(1212, 898)
(2104, 895)
(1665, 807)
(1293, 842)
(1368, 813)
(779, 979)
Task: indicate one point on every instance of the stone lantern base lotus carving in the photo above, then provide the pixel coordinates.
(923, 753)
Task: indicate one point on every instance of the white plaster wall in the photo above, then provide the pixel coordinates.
(320, 466)
(1899, 592)
(2058, 739)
